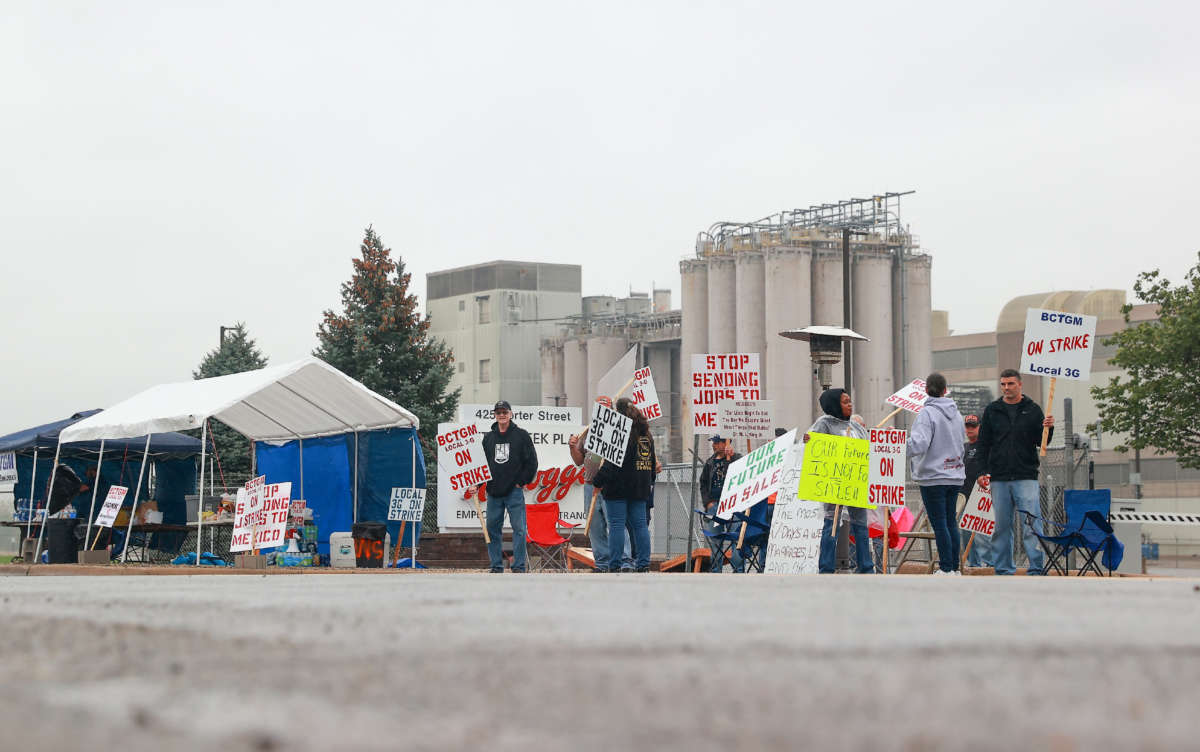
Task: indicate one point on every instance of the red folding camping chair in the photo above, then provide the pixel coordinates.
(542, 534)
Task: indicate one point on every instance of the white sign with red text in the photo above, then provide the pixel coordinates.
(721, 376)
(1058, 344)
(643, 394)
(112, 505)
(461, 455)
(746, 419)
(889, 448)
(979, 516)
(558, 479)
(755, 476)
(261, 521)
(911, 397)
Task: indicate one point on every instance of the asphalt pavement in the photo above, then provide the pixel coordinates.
(437, 661)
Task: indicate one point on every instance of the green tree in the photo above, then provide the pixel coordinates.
(1155, 403)
(237, 353)
(381, 339)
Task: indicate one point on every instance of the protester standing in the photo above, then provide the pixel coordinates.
(973, 466)
(712, 483)
(836, 421)
(935, 448)
(626, 488)
(597, 532)
(513, 462)
(1009, 436)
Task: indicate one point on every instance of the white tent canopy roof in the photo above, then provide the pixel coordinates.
(296, 400)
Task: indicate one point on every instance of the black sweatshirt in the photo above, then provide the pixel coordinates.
(1008, 449)
(633, 479)
(511, 457)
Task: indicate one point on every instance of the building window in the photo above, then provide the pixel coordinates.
(462, 305)
(485, 371)
(483, 310)
(462, 367)
(968, 357)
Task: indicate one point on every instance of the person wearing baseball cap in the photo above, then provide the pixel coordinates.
(979, 555)
(712, 483)
(513, 461)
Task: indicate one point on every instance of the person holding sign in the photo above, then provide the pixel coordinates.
(935, 446)
(836, 422)
(1009, 436)
(513, 462)
(593, 500)
(626, 488)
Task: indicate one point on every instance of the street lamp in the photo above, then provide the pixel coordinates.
(825, 345)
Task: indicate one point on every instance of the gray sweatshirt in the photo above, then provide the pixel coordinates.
(935, 444)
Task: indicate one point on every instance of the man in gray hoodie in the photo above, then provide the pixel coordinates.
(935, 450)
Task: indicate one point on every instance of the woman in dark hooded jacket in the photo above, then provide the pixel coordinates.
(836, 421)
(627, 489)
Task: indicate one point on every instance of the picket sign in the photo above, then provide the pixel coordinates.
(108, 512)
(262, 515)
(721, 376)
(644, 395)
(794, 545)
(8, 467)
(889, 463)
(746, 419)
(979, 517)
(1057, 344)
(608, 434)
(461, 455)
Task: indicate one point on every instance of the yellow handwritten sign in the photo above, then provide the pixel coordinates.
(836, 470)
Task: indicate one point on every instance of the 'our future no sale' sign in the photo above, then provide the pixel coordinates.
(608, 434)
(721, 376)
(1058, 344)
(461, 455)
(979, 516)
(889, 447)
(756, 476)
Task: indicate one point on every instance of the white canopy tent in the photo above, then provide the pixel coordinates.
(304, 399)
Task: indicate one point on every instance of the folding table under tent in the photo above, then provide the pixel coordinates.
(173, 456)
(303, 400)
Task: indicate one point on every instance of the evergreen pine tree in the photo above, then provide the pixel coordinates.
(237, 353)
(381, 339)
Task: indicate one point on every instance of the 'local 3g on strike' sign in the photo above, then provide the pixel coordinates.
(460, 453)
(756, 476)
(406, 504)
(889, 448)
(716, 377)
(836, 470)
(608, 435)
(1058, 344)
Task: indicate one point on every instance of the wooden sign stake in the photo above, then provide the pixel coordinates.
(967, 550)
(482, 524)
(1049, 409)
(891, 415)
(587, 529)
(396, 556)
(887, 517)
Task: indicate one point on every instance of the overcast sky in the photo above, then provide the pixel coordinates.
(170, 168)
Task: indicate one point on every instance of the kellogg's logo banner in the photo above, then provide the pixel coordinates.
(558, 478)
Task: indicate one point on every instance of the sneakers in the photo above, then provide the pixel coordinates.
(642, 569)
(941, 573)
(497, 570)
(957, 573)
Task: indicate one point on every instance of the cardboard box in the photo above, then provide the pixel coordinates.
(249, 561)
(100, 556)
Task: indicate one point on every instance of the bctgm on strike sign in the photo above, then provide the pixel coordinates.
(889, 447)
(643, 394)
(756, 476)
(406, 504)
(8, 467)
(608, 435)
(1058, 344)
(111, 506)
(461, 455)
(978, 516)
(746, 419)
(911, 397)
(724, 376)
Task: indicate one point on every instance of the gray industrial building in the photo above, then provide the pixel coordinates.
(748, 281)
(493, 317)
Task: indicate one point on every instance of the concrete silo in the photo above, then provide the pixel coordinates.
(827, 299)
(575, 375)
(722, 305)
(872, 309)
(602, 354)
(693, 333)
(919, 315)
(749, 319)
(554, 390)
(787, 299)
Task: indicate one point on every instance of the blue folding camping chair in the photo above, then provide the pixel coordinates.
(757, 530)
(1077, 504)
(1097, 537)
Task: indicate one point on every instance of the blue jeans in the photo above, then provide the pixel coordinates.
(941, 504)
(827, 563)
(598, 532)
(1007, 496)
(514, 503)
(618, 511)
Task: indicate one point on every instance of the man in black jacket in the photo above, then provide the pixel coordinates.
(513, 462)
(1009, 437)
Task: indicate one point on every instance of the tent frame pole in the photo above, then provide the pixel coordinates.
(137, 491)
(32, 487)
(302, 496)
(355, 518)
(200, 503)
(414, 485)
(37, 551)
(95, 487)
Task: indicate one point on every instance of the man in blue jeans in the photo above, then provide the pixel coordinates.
(1010, 434)
(513, 463)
